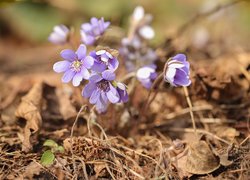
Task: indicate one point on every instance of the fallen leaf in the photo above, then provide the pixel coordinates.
(200, 159)
(29, 109)
(32, 169)
(66, 108)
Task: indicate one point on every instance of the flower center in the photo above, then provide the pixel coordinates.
(76, 65)
(103, 85)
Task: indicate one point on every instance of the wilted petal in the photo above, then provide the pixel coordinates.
(68, 75)
(68, 54)
(108, 75)
(61, 66)
(94, 96)
(81, 52)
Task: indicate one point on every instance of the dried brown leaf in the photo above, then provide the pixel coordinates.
(65, 106)
(29, 109)
(200, 159)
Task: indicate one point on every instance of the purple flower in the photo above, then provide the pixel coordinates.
(122, 91)
(59, 35)
(91, 31)
(75, 65)
(100, 90)
(103, 60)
(177, 71)
(146, 75)
(136, 53)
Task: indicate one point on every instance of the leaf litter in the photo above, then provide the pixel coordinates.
(159, 146)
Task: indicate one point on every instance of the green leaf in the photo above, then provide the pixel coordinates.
(50, 143)
(60, 149)
(47, 158)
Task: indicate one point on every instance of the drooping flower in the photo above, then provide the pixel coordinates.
(90, 32)
(75, 65)
(177, 71)
(146, 75)
(101, 91)
(59, 35)
(122, 91)
(104, 59)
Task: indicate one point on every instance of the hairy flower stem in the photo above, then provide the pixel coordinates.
(190, 109)
(153, 87)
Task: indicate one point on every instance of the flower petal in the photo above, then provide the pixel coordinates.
(144, 72)
(98, 67)
(83, 74)
(68, 75)
(181, 78)
(108, 75)
(113, 64)
(61, 66)
(113, 95)
(81, 52)
(88, 90)
(180, 57)
(94, 96)
(88, 62)
(68, 54)
(147, 32)
(169, 75)
(95, 78)
(175, 64)
(138, 13)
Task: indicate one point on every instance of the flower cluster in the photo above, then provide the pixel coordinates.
(137, 55)
(97, 67)
(90, 32)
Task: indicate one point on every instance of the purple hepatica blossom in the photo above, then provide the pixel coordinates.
(100, 90)
(104, 60)
(146, 75)
(177, 71)
(91, 31)
(59, 35)
(122, 91)
(75, 65)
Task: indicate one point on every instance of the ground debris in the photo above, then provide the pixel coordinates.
(30, 111)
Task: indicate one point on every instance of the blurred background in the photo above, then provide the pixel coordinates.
(26, 24)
